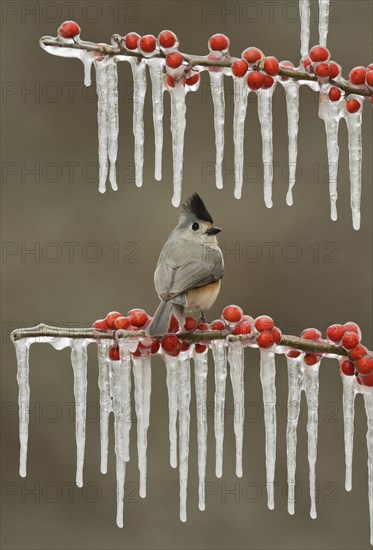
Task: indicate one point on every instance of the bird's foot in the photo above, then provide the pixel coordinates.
(202, 318)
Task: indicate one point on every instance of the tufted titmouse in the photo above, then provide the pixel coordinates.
(189, 269)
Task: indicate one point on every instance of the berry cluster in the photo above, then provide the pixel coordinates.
(257, 68)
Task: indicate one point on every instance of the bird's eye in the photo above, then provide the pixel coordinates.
(195, 226)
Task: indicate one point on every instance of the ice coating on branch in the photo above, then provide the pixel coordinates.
(184, 422)
(304, 14)
(311, 388)
(368, 400)
(172, 380)
(265, 119)
(178, 123)
(220, 370)
(353, 122)
(291, 88)
(79, 365)
(158, 88)
(142, 378)
(236, 363)
(105, 400)
(267, 378)
(241, 91)
(22, 352)
(200, 382)
(85, 57)
(349, 393)
(218, 98)
(295, 379)
(139, 91)
(323, 21)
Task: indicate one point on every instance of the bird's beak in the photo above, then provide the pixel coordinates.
(213, 231)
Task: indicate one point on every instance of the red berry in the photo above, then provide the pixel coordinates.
(122, 323)
(268, 81)
(200, 348)
(311, 359)
(69, 29)
(319, 53)
(350, 326)
(350, 340)
(369, 78)
(335, 332)
(154, 347)
(334, 94)
(277, 335)
(367, 380)
(271, 66)
(217, 325)
(334, 69)
(137, 352)
(218, 43)
(242, 328)
(232, 314)
(347, 367)
(358, 380)
(192, 80)
(167, 39)
(174, 60)
(190, 323)
(307, 65)
(171, 344)
(132, 40)
(352, 106)
(252, 55)
(138, 317)
(100, 324)
(293, 353)
(203, 326)
(114, 353)
(239, 67)
(356, 353)
(185, 346)
(265, 339)
(311, 334)
(264, 323)
(110, 318)
(148, 43)
(357, 75)
(322, 70)
(365, 365)
(170, 81)
(174, 325)
(255, 80)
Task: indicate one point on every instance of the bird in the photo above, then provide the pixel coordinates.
(189, 269)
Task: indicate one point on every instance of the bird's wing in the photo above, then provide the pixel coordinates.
(173, 279)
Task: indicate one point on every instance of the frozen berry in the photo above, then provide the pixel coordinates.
(334, 69)
(356, 353)
(200, 348)
(232, 314)
(265, 339)
(347, 367)
(167, 39)
(252, 55)
(137, 352)
(357, 75)
(170, 81)
(114, 353)
(255, 80)
(174, 325)
(352, 106)
(185, 346)
(190, 323)
(335, 332)
(271, 66)
(334, 94)
(217, 325)
(311, 359)
(369, 78)
(138, 317)
(319, 53)
(365, 365)
(350, 340)
(249, 319)
(154, 347)
(268, 81)
(322, 70)
(277, 335)
(264, 323)
(171, 344)
(307, 65)
(69, 29)
(174, 60)
(131, 40)
(110, 318)
(100, 324)
(147, 43)
(242, 328)
(122, 323)
(192, 80)
(239, 67)
(203, 326)
(218, 43)
(293, 353)
(311, 334)
(367, 380)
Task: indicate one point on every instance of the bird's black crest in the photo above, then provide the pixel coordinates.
(196, 206)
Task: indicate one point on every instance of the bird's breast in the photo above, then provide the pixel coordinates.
(203, 297)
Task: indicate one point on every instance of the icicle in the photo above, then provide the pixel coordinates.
(85, 57)
(139, 91)
(349, 392)
(220, 365)
(311, 388)
(236, 362)
(113, 119)
(105, 400)
(292, 106)
(79, 365)
(241, 91)
(178, 123)
(217, 92)
(353, 122)
(142, 378)
(323, 21)
(158, 88)
(102, 109)
(304, 12)
(295, 378)
(267, 377)
(368, 400)
(22, 352)
(200, 382)
(265, 119)
(184, 422)
(172, 368)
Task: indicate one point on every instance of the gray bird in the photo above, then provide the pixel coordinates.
(189, 269)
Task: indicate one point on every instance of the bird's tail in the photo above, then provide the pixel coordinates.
(161, 319)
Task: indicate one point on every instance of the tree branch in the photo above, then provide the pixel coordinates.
(194, 61)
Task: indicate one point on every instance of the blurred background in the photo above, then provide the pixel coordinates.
(71, 254)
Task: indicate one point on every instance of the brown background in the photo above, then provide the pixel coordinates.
(47, 129)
